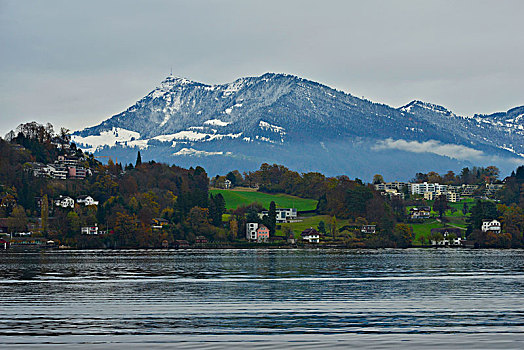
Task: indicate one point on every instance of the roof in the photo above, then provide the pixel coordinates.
(309, 232)
(160, 220)
(262, 227)
(448, 230)
(489, 220)
(420, 208)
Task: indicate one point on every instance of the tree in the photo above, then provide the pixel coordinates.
(465, 208)
(378, 179)
(403, 235)
(220, 208)
(450, 178)
(17, 222)
(199, 219)
(272, 217)
(252, 215)
(436, 237)
(233, 227)
(138, 159)
(231, 177)
(492, 173)
(321, 227)
(440, 205)
(482, 210)
(333, 226)
(513, 222)
(125, 230)
(398, 207)
(44, 213)
(434, 177)
(7, 204)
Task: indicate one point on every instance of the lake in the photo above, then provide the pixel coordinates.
(264, 299)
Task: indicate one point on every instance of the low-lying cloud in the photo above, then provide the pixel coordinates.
(432, 146)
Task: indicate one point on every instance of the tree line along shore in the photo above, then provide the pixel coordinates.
(52, 194)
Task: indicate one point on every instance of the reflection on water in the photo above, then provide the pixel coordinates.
(262, 298)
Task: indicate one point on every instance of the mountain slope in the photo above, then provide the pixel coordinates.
(293, 121)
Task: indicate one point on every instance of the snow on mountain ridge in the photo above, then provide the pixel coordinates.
(262, 117)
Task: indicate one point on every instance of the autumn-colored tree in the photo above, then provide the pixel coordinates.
(199, 220)
(333, 226)
(17, 222)
(125, 230)
(434, 177)
(450, 178)
(7, 203)
(233, 227)
(513, 222)
(403, 235)
(378, 179)
(73, 224)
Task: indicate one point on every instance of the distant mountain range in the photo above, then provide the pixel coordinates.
(307, 126)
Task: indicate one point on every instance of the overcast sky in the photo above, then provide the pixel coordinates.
(76, 63)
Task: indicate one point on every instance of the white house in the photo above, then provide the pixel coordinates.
(310, 235)
(227, 184)
(86, 200)
(89, 230)
(420, 212)
(491, 226)
(283, 214)
(251, 231)
(447, 239)
(65, 202)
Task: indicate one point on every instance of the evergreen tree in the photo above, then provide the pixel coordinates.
(481, 211)
(272, 218)
(465, 208)
(440, 205)
(138, 159)
(333, 226)
(220, 207)
(231, 177)
(44, 213)
(321, 227)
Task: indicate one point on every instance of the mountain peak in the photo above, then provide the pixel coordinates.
(173, 80)
(277, 117)
(425, 105)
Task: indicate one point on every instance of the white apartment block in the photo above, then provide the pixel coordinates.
(251, 231)
(421, 188)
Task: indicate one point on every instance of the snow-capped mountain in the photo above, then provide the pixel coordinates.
(501, 130)
(302, 124)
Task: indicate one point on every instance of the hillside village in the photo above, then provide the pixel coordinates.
(52, 195)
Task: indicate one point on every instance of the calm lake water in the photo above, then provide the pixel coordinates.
(210, 299)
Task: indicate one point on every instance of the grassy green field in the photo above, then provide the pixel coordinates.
(458, 206)
(424, 229)
(309, 221)
(456, 219)
(237, 198)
